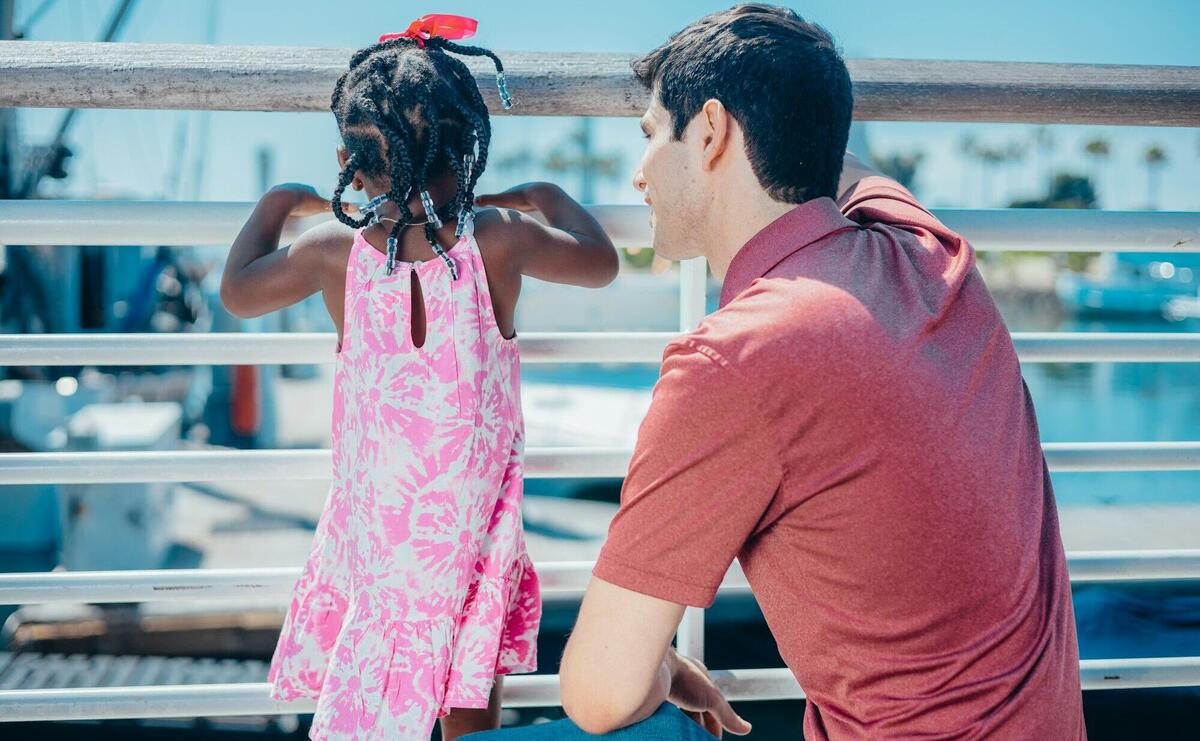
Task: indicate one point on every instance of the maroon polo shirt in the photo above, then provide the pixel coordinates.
(852, 425)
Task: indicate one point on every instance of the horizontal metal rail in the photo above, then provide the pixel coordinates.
(559, 579)
(260, 465)
(1107, 347)
(536, 347)
(570, 462)
(214, 700)
(1141, 456)
(266, 78)
(188, 223)
(235, 348)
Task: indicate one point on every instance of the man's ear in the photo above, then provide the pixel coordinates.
(717, 130)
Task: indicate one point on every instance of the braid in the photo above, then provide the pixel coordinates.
(469, 103)
(460, 180)
(432, 142)
(478, 51)
(475, 142)
(399, 95)
(396, 131)
(474, 109)
(401, 172)
(344, 178)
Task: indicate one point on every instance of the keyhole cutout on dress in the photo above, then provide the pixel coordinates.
(417, 315)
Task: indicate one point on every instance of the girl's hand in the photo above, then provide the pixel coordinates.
(259, 277)
(525, 197)
(303, 200)
(570, 247)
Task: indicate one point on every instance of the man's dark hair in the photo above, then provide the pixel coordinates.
(779, 76)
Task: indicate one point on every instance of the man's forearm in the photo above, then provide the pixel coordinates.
(657, 694)
(613, 671)
(596, 715)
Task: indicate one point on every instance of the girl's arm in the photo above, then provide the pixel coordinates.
(259, 277)
(571, 247)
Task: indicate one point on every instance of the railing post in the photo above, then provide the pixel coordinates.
(693, 292)
(693, 305)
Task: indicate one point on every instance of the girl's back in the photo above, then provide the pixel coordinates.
(424, 508)
(418, 591)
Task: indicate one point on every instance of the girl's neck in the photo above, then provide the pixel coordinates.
(440, 191)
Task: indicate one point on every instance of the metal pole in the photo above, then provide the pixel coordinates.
(693, 305)
(190, 223)
(8, 116)
(38, 171)
(560, 580)
(252, 698)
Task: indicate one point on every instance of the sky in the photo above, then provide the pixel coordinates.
(181, 155)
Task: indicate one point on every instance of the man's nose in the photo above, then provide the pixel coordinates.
(639, 181)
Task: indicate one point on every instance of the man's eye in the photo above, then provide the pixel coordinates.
(645, 136)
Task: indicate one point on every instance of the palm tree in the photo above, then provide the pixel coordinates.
(517, 162)
(992, 158)
(578, 156)
(1154, 158)
(1043, 139)
(901, 167)
(1097, 149)
(968, 147)
(1014, 154)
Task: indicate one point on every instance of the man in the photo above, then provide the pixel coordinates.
(851, 424)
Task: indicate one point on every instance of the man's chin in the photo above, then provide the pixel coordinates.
(665, 252)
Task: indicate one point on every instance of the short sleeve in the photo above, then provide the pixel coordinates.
(703, 473)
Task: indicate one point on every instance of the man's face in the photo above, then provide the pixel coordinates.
(667, 176)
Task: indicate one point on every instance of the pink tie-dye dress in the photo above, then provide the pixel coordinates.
(418, 590)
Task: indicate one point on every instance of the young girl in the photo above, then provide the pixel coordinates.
(418, 592)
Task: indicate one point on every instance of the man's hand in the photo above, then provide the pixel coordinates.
(694, 692)
(853, 170)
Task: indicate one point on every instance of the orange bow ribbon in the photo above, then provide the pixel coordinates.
(452, 27)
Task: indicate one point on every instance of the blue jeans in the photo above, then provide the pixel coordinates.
(667, 724)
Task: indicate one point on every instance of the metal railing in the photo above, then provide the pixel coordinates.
(537, 347)
(559, 579)
(121, 467)
(272, 78)
(175, 224)
(44, 74)
(523, 691)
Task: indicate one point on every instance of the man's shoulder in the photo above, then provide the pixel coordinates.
(767, 327)
(780, 306)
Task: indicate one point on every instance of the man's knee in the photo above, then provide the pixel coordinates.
(668, 722)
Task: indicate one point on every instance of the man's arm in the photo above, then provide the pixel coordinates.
(614, 671)
(619, 665)
(703, 473)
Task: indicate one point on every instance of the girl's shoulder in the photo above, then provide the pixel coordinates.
(498, 232)
(327, 244)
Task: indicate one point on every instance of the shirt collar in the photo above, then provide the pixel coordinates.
(808, 222)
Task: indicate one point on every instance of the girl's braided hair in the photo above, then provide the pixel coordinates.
(430, 118)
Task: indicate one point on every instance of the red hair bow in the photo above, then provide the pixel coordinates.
(451, 27)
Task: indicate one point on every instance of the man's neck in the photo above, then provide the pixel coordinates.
(737, 224)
